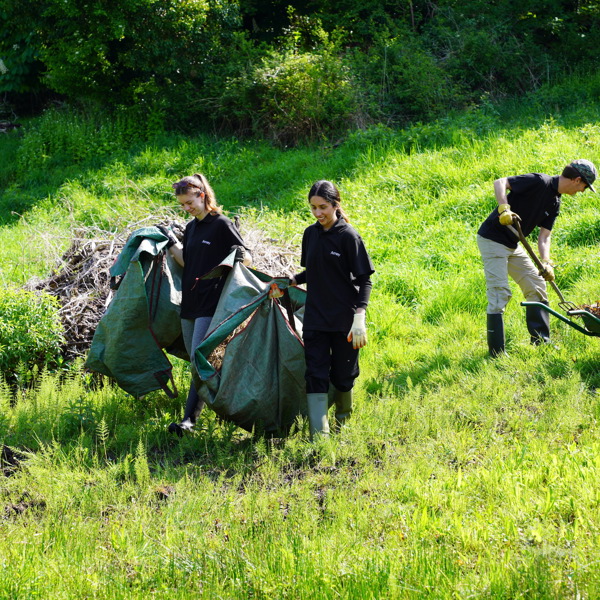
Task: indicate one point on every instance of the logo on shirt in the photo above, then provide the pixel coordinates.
(335, 253)
(206, 242)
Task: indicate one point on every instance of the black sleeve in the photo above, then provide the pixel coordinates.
(360, 261)
(303, 249)
(364, 290)
(521, 184)
(233, 235)
(300, 278)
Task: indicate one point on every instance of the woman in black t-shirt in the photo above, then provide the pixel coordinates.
(337, 276)
(208, 239)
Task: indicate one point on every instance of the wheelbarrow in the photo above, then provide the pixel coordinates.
(591, 323)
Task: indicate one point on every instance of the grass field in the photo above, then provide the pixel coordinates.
(457, 477)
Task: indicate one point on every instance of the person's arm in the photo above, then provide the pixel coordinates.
(544, 244)
(506, 215)
(364, 292)
(544, 250)
(176, 251)
(501, 189)
(299, 279)
(358, 332)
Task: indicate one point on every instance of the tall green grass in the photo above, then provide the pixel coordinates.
(457, 477)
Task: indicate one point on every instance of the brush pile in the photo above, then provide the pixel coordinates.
(592, 308)
(81, 282)
(81, 279)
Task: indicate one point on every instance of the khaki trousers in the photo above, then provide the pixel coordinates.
(499, 262)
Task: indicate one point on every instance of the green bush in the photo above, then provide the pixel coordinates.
(149, 54)
(401, 81)
(31, 333)
(291, 96)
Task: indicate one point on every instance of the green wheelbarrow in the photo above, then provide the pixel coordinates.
(591, 323)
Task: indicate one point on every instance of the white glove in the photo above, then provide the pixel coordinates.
(358, 333)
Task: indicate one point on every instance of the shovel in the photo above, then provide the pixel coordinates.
(516, 230)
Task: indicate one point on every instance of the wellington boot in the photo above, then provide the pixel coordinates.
(317, 414)
(538, 324)
(495, 335)
(343, 407)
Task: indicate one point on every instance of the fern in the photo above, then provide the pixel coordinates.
(140, 465)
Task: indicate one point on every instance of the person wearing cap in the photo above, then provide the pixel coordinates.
(534, 200)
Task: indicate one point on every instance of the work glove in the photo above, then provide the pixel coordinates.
(240, 252)
(172, 239)
(548, 271)
(358, 332)
(507, 216)
(275, 292)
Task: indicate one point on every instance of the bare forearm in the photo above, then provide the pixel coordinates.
(176, 251)
(544, 247)
(500, 190)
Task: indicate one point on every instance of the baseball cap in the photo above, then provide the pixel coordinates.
(587, 170)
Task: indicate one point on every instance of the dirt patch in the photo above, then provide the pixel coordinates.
(25, 504)
(9, 461)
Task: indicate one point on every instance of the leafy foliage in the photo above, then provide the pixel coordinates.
(30, 331)
(292, 96)
(297, 73)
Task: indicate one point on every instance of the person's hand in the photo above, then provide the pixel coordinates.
(275, 292)
(240, 252)
(358, 332)
(507, 216)
(548, 271)
(171, 237)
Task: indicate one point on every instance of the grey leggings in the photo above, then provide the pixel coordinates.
(193, 331)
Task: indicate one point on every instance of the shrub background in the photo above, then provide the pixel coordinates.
(289, 72)
(31, 332)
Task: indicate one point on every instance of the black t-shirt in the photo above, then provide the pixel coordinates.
(206, 243)
(535, 198)
(333, 260)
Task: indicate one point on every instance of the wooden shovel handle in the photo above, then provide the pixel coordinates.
(538, 263)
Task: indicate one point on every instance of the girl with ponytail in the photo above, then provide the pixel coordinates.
(208, 239)
(337, 275)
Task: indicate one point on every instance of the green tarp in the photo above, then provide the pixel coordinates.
(142, 318)
(260, 384)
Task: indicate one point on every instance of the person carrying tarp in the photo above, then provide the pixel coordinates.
(208, 239)
(534, 200)
(337, 274)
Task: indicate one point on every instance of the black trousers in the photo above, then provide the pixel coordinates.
(329, 357)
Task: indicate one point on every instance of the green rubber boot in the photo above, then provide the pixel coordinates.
(538, 324)
(495, 335)
(343, 406)
(317, 414)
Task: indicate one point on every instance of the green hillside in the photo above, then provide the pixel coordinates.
(458, 476)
